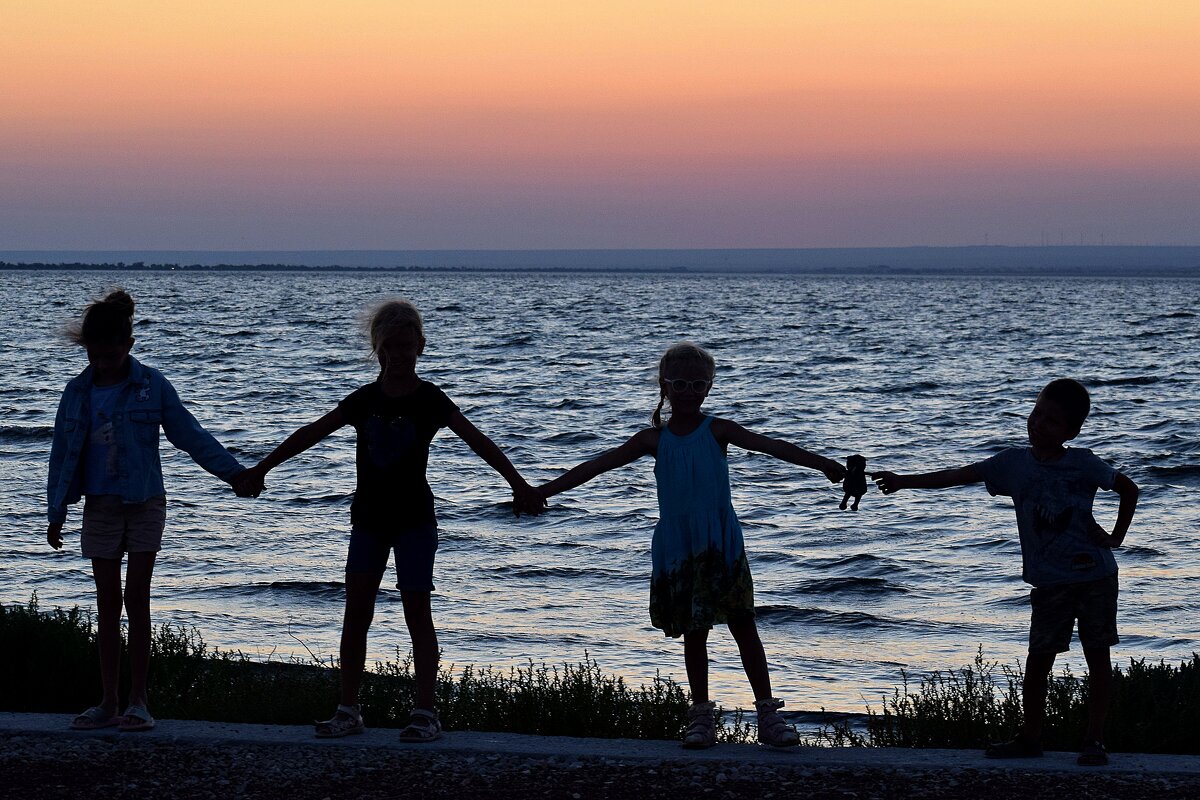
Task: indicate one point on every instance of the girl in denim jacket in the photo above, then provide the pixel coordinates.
(106, 450)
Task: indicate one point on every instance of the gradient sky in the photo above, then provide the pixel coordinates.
(446, 124)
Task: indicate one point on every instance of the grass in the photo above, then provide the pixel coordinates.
(1155, 707)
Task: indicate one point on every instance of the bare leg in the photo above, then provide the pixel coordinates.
(1033, 694)
(419, 618)
(137, 609)
(695, 659)
(107, 574)
(361, 588)
(754, 658)
(845, 499)
(1099, 689)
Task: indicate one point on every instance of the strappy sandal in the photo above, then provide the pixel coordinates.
(94, 719)
(423, 726)
(772, 728)
(346, 721)
(701, 731)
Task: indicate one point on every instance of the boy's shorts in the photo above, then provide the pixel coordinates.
(1055, 609)
(112, 528)
(414, 548)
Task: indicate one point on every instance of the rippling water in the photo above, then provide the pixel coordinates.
(915, 373)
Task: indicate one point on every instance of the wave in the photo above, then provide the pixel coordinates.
(324, 590)
(1175, 470)
(856, 620)
(851, 585)
(1137, 380)
(26, 433)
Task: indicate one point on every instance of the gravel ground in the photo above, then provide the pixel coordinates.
(130, 767)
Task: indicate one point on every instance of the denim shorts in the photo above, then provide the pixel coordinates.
(414, 549)
(1056, 608)
(112, 528)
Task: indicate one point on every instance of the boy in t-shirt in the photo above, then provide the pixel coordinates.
(1065, 554)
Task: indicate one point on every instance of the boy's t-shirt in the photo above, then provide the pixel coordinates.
(392, 452)
(1053, 501)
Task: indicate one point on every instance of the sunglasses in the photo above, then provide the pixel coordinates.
(679, 385)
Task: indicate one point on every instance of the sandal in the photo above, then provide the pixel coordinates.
(94, 719)
(136, 718)
(423, 726)
(346, 721)
(702, 727)
(772, 728)
(1093, 754)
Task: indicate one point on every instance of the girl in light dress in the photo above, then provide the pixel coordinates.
(700, 573)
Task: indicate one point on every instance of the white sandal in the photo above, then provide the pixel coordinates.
(346, 721)
(423, 726)
(702, 726)
(772, 728)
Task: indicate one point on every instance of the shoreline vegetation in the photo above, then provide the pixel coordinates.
(1154, 707)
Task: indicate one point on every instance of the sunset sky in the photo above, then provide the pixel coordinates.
(449, 124)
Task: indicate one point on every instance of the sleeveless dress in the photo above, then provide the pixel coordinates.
(701, 576)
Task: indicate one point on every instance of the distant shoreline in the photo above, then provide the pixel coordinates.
(1045, 261)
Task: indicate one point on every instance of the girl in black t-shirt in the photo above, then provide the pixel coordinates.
(395, 418)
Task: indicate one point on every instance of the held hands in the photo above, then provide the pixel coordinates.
(249, 482)
(54, 535)
(527, 500)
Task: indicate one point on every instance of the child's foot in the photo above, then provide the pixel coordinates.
(423, 726)
(94, 719)
(1093, 754)
(702, 726)
(1017, 747)
(772, 729)
(136, 718)
(346, 721)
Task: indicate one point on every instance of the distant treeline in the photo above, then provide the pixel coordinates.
(138, 266)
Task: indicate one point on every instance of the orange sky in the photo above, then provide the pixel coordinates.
(552, 124)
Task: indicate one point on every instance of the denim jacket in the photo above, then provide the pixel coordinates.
(146, 401)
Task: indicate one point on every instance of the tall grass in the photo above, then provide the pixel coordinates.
(50, 665)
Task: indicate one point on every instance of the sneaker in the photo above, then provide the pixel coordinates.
(1093, 754)
(772, 728)
(702, 726)
(1017, 747)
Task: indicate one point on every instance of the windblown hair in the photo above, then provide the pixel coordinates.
(105, 321)
(678, 355)
(389, 317)
(1072, 397)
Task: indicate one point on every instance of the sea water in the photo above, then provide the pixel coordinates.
(915, 373)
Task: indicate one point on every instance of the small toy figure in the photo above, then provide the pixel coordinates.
(855, 482)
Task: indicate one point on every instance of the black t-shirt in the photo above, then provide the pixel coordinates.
(393, 449)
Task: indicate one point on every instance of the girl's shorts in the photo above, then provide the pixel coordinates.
(414, 548)
(112, 528)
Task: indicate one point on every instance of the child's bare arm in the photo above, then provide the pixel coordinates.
(640, 444)
(890, 482)
(525, 497)
(252, 480)
(732, 433)
(1128, 491)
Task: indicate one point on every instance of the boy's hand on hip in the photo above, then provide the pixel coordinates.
(54, 534)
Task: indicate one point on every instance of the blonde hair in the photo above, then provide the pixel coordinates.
(678, 354)
(389, 317)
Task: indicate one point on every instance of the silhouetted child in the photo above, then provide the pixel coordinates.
(105, 449)
(855, 483)
(1066, 555)
(700, 572)
(395, 419)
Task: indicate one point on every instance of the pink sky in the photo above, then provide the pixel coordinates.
(296, 125)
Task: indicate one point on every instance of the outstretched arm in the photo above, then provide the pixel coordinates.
(732, 433)
(640, 444)
(250, 482)
(525, 497)
(890, 482)
(1129, 493)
